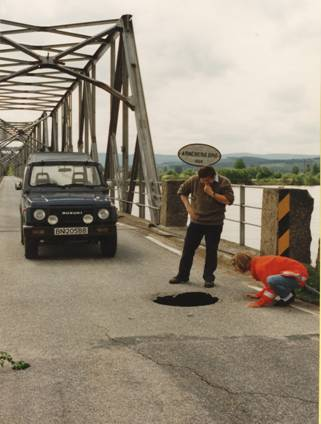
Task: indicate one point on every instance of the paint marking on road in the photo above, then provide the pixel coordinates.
(304, 310)
(121, 224)
(299, 308)
(159, 243)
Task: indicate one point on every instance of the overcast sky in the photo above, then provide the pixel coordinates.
(242, 75)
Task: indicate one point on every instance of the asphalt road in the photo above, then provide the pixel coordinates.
(102, 352)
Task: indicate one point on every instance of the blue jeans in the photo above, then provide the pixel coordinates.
(281, 285)
(194, 235)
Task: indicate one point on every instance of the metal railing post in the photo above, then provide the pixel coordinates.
(242, 215)
(142, 188)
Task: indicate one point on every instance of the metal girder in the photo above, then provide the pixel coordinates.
(43, 77)
(22, 132)
(143, 131)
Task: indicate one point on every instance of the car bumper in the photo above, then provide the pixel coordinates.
(95, 232)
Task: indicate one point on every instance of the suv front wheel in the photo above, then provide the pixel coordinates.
(108, 245)
(31, 248)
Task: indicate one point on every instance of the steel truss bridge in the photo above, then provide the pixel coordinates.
(40, 72)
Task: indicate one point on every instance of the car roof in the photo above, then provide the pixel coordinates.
(59, 157)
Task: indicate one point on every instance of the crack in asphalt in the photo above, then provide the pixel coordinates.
(202, 378)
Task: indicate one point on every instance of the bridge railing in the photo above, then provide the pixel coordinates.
(240, 206)
(266, 209)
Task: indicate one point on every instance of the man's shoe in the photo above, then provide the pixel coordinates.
(176, 280)
(209, 284)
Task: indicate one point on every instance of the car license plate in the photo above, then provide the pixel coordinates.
(70, 231)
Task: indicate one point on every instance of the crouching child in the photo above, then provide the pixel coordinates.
(280, 277)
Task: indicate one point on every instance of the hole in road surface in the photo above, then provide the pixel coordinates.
(187, 299)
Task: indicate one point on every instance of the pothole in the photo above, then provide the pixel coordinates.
(187, 299)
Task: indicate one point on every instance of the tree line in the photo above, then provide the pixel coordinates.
(240, 174)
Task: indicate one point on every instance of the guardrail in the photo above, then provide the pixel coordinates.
(242, 211)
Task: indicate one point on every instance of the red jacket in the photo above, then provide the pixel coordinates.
(264, 266)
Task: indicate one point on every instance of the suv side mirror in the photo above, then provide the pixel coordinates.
(18, 185)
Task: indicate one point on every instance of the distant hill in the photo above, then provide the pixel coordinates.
(160, 159)
(276, 162)
(282, 165)
(278, 156)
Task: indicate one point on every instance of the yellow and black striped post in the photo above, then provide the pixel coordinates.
(285, 223)
(283, 245)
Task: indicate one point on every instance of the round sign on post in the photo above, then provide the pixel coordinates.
(198, 154)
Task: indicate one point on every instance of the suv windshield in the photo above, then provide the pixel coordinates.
(64, 175)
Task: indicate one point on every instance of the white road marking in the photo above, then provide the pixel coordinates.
(304, 310)
(159, 243)
(121, 224)
(299, 308)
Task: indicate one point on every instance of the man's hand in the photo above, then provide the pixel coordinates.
(194, 216)
(208, 190)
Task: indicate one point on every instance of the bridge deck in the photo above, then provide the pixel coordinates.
(101, 351)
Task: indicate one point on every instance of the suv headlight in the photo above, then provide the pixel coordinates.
(88, 219)
(39, 214)
(103, 213)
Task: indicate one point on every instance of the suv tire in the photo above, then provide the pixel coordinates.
(31, 248)
(108, 245)
(21, 233)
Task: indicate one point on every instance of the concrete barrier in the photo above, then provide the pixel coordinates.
(173, 212)
(286, 217)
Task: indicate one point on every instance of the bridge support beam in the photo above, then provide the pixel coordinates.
(143, 131)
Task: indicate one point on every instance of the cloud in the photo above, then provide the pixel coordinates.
(240, 75)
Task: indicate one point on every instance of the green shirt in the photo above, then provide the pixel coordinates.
(210, 211)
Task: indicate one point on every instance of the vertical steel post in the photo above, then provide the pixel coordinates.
(242, 215)
(93, 150)
(86, 115)
(54, 132)
(34, 140)
(80, 146)
(45, 137)
(39, 142)
(108, 162)
(142, 185)
(63, 127)
(142, 124)
(69, 123)
(125, 132)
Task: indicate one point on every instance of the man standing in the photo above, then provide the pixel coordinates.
(210, 193)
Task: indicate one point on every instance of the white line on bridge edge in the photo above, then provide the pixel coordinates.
(121, 224)
(159, 243)
(292, 306)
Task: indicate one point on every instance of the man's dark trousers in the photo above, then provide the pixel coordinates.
(195, 233)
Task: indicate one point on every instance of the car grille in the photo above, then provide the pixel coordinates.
(72, 216)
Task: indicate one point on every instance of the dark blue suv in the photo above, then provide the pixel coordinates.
(65, 199)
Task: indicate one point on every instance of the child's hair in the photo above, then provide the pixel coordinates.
(242, 261)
